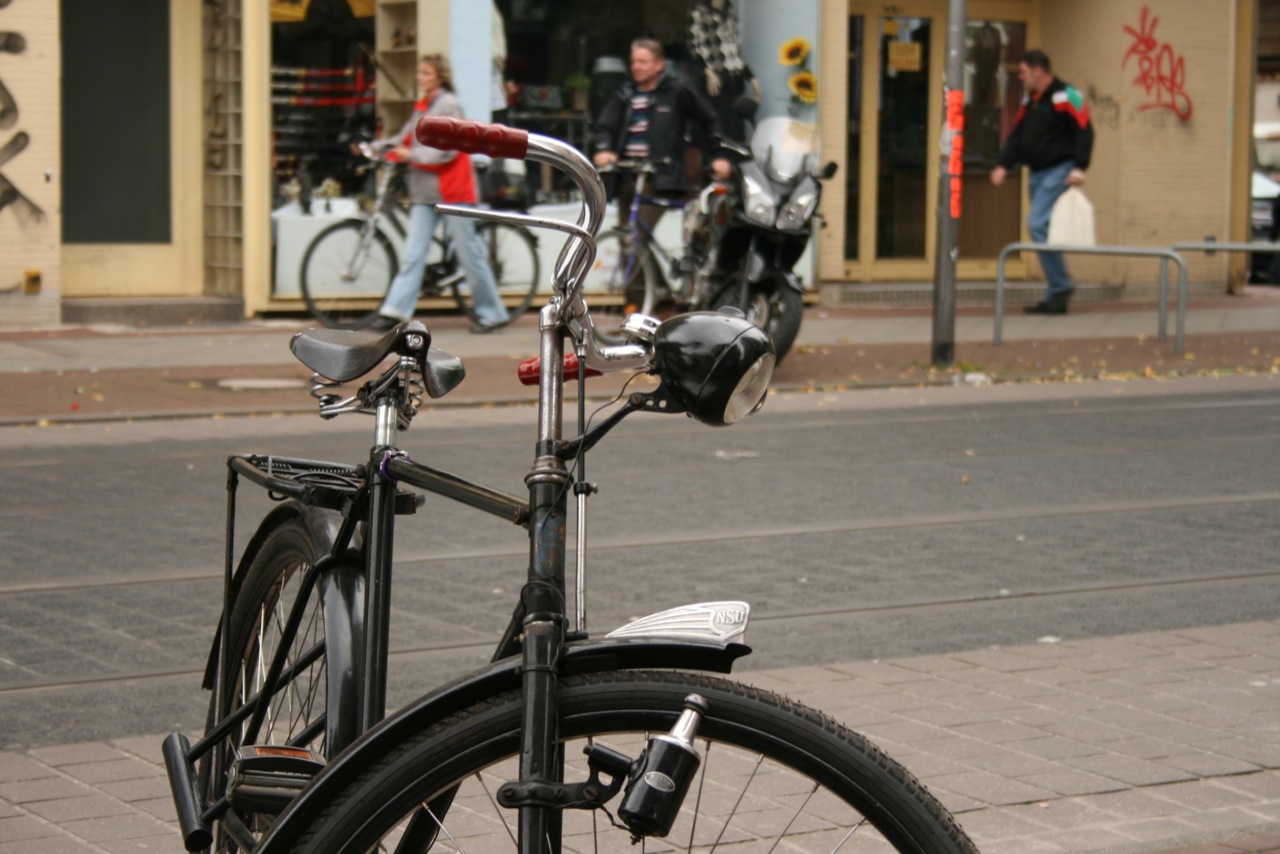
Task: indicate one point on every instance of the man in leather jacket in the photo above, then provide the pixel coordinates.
(649, 120)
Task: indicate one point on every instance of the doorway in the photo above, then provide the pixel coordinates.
(894, 113)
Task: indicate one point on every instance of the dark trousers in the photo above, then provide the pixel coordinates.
(649, 215)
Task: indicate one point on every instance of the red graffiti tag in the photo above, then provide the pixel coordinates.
(1161, 72)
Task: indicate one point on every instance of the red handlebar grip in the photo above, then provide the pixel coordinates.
(529, 369)
(452, 134)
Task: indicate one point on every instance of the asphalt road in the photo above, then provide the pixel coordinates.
(858, 525)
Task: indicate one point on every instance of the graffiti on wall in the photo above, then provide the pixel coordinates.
(11, 198)
(1162, 73)
(1103, 109)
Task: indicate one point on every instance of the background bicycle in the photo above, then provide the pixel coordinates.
(349, 266)
(630, 251)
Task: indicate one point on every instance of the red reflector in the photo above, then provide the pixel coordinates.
(273, 750)
(529, 369)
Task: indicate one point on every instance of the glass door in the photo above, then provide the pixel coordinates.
(894, 117)
(905, 105)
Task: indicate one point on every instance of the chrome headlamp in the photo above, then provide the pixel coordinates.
(757, 203)
(796, 212)
(715, 365)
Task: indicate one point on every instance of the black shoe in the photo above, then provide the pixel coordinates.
(1057, 305)
(383, 323)
(483, 328)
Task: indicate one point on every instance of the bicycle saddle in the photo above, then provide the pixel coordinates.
(347, 354)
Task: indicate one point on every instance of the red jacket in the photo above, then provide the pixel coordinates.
(437, 176)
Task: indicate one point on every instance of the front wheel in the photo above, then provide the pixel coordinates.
(774, 776)
(512, 253)
(345, 274)
(775, 307)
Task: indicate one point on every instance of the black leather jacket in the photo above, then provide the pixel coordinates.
(676, 112)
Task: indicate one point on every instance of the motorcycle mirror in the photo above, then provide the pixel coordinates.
(745, 106)
(715, 365)
(828, 171)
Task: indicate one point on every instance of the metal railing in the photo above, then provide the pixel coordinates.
(1165, 255)
(1208, 247)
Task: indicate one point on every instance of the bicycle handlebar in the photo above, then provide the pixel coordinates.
(579, 251)
(471, 137)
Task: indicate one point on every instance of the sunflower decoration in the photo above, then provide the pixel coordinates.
(804, 86)
(794, 52)
(803, 83)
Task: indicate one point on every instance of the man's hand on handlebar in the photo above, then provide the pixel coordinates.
(604, 158)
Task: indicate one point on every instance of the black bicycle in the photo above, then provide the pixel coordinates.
(349, 266)
(566, 741)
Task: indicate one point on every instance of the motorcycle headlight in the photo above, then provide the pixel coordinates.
(758, 203)
(799, 209)
(715, 364)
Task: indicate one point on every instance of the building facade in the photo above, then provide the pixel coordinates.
(198, 169)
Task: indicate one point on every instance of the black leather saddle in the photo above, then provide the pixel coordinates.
(343, 355)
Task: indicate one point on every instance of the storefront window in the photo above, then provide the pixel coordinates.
(115, 123)
(322, 97)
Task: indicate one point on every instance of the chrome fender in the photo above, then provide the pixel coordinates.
(578, 658)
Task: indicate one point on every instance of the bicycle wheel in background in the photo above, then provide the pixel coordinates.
(609, 272)
(774, 776)
(513, 257)
(263, 603)
(344, 277)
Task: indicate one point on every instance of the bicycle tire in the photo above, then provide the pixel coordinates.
(609, 276)
(512, 252)
(262, 604)
(340, 290)
(765, 758)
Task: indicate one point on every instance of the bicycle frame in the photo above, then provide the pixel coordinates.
(532, 650)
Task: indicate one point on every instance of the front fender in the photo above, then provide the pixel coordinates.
(323, 525)
(578, 658)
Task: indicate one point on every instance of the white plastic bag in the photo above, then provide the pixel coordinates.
(1071, 223)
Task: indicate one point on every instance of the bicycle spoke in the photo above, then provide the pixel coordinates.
(742, 794)
(697, 801)
(498, 810)
(427, 809)
(848, 835)
(792, 820)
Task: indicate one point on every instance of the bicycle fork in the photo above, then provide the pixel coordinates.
(657, 781)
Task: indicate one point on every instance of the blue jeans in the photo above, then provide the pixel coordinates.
(402, 297)
(1045, 187)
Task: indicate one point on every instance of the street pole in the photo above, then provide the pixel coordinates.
(950, 176)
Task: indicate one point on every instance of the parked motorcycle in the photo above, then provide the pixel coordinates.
(744, 236)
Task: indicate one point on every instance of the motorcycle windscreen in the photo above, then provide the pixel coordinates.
(785, 148)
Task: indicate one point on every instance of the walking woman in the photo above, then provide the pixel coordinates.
(438, 176)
